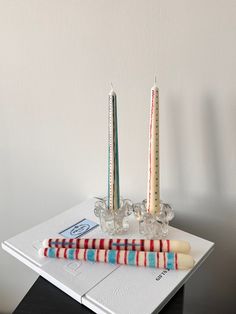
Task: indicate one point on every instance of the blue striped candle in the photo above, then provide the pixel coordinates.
(169, 260)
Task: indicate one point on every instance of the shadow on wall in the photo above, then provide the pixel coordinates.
(212, 216)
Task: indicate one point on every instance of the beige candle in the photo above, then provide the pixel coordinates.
(153, 191)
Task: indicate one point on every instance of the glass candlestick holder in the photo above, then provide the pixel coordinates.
(153, 226)
(113, 221)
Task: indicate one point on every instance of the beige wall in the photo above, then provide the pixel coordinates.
(57, 58)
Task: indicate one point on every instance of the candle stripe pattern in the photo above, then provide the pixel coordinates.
(166, 260)
(113, 155)
(120, 244)
(153, 191)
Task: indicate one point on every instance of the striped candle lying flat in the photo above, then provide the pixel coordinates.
(169, 260)
(121, 244)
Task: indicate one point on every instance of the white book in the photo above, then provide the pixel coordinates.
(104, 288)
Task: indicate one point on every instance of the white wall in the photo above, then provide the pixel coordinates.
(57, 58)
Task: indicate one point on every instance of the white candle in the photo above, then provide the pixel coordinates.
(153, 191)
(113, 155)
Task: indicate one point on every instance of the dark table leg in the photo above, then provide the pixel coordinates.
(45, 298)
(176, 304)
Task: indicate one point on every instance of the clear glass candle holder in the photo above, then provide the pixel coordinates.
(153, 226)
(113, 221)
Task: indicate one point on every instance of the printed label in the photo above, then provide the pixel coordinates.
(80, 228)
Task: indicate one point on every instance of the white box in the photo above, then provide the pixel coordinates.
(102, 287)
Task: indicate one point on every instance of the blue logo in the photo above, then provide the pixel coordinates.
(80, 228)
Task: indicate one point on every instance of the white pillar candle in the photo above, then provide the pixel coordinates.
(153, 191)
(113, 155)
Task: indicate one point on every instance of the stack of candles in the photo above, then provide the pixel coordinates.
(170, 254)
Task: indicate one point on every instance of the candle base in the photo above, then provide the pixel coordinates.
(113, 221)
(153, 226)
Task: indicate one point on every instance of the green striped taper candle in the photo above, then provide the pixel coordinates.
(113, 156)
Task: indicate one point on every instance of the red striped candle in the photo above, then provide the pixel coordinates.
(167, 260)
(120, 244)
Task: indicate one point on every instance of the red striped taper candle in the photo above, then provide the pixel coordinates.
(120, 244)
(169, 260)
(153, 190)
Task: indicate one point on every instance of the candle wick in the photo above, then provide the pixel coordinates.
(112, 86)
(155, 80)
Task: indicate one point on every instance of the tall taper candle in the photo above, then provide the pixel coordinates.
(153, 191)
(113, 156)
